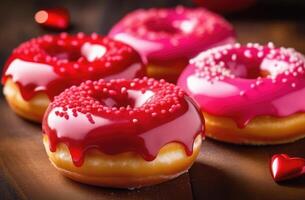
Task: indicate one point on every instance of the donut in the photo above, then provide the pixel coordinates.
(169, 37)
(123, 133)
(43, 67)
(249, 94)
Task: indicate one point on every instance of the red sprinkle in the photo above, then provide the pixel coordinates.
(143, 118)
(52, 63)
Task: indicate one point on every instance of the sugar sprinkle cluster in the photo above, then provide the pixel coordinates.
(285, 63)
(37, 50)
(88, 99)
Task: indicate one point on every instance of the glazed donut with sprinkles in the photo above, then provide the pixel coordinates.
(169, 37)
(123, 133)
(43, 67)
(249, 94)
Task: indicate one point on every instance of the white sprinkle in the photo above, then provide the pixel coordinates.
(217, 55)
(272, 52)
(270, 45)
(260, 54)
(249, 45)
(300, 69)
(123, 90)
(237, 45)
(247, 53)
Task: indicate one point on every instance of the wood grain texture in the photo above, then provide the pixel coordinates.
(26, 172)
(221, 171)
(242, 172)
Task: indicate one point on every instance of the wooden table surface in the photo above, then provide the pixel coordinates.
(221, 171)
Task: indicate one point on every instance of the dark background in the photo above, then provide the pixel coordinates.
(281, 21)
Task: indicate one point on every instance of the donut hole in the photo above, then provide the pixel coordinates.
(64, 53)
(164, 25)
(247, 68)
(132, 99)
(252, 73)
(255, 72)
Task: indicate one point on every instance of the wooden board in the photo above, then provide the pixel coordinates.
(226, 171)
(221, 171)
(26, 172)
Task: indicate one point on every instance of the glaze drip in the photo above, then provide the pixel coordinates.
(140, 115)
(52, 63)
(242, 82)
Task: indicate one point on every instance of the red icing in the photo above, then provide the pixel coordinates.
(52, 63)
(140, 115)
(242, 82)
(284, 167)
(168, 35)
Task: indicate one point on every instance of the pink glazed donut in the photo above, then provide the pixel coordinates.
(249, 94)
(169, 37)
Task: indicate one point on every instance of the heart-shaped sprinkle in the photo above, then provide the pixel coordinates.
(52, 63)
(284, 167)
(93, 51)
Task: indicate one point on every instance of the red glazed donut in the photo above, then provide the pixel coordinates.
(123, 133)
(168, 38)
(249, 94)
(43, 67)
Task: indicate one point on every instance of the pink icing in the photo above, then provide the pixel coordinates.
(175, 33)
(242, 82)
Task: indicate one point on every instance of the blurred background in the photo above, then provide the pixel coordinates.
(280, 21)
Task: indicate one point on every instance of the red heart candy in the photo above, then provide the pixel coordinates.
(56, 18)
(284, 167)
